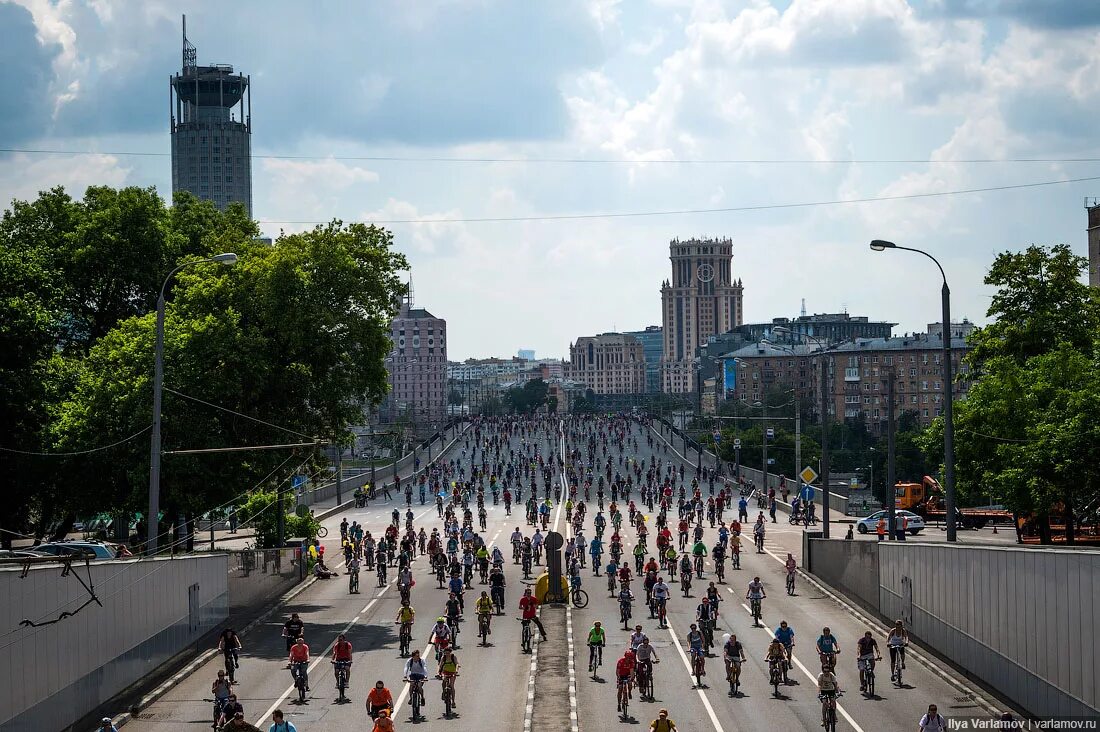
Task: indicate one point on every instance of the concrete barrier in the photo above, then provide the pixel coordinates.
(258, 575)
(55, 674)
(1018, 619)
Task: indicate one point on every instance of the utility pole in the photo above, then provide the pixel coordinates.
(890, 447)
(339, 470)
(797, 443)
(824, 365)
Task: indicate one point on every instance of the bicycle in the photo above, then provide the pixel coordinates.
(353, 583)
(448, 693)
(611, 584)
(775, 675)
(381, 574)
(405, 638)
(699, 567)
(624, 614)
(720, 571)
(624, 698)
(341, 670)
(416, 697)
(754, 610)
(579, 598)
(525, 635)
(698, 667)
(868, 676)
(595, 657)
(300, 672)
(828, 710)
(441, 574)
(733, 676)
(483, 628)
(322, 532)
(645, 681)
(790, 583)
(898, 665)
(230, 664)
(662, 612)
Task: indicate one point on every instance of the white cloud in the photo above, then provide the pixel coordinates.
(23, 176)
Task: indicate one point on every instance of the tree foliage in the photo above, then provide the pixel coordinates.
(1026, 433)
(293, 335)
(527, 398)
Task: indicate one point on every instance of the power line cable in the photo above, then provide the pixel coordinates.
(590, 161)
(80, 452)
(692, 211)
(239, 414)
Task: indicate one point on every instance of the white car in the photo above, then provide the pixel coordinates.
(870, 523)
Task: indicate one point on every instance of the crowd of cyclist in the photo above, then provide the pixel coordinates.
(611, 500)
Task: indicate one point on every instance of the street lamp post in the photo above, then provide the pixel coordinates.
(151, 529)
(880, 245)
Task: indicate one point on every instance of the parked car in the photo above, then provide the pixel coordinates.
(870, 523)
(100, 549)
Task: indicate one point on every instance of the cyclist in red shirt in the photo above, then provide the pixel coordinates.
(341, 652)
(624, 673)
(529, 604)
(299, 659)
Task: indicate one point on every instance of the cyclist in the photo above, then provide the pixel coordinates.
(529, 605)
(637, 637)
(379, 699)
(624, 675)
(626, 599)
(229, 643)
(597, 639)
(896, 642)
(776, 653)
(758, 534)
(827, 684)
(827, 647)
(299, 660)
(221, 693)
(497, 583)
(448, 669)
(662, 723)
(238, 724)
(456, 586)
(341, 653)
(453, 610)
(484, 608)
(292, 630)
(756, 591)
(866, 652)
(661, 593)
(440, 635)
(933, 721)
(699, 552)
(405, 613)
(706, 615)
(733, 653)
(646, 655)
(785, 635)
(695, 641)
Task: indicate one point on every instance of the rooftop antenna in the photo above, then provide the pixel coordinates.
(409, 297)
(803, 307)
(190, 53)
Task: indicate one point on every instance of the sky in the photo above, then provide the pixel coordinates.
(476, 109)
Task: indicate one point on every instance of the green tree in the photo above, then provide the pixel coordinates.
(527, 398)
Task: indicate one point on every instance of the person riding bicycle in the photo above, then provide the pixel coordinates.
(624, 674)
(597, 637)
(528, 605)
(646, 655)
(791, 564)
(229, 643)
(758, 534)
(733, 654)
(299, 658)
(457, 587)
(866, 652)
(448, 669)
(896, 642)
(484, 609)
(785, 635)
(440, 634)
(378, 699)
(776, 653)
(415, 668)
(827, 647)
(341, 654)
(827, 683)
(695, 641)
(221, 692)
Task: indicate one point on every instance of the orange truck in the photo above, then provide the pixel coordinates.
(926, 499)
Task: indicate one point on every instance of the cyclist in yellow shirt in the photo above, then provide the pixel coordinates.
(405, 613)
(484, 609)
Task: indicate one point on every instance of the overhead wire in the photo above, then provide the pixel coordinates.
(694, 211)
(140, 432)
(239, 414)
(541, 160)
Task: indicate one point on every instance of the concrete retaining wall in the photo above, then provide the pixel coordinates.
(1020, 620)
(53, 675)
(256, 576)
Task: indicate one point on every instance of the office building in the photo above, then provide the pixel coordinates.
(609, 363)
(701, 300)
(211, 128)
(829, 328)
(653, 345)
(417, 366)
(1092, 205)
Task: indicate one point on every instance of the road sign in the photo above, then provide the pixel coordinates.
(807, 493)
(717, 436)
(808, 474)
(771, 433)
(771, 461)
(737, 442)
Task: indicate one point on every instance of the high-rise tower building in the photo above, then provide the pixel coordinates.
(211, 127)
(700, 301)
(1093, 207)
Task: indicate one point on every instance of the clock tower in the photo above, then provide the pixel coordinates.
(701, 300)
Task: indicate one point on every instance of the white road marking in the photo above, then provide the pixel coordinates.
(843, 712)
(687, 665)
(321, 657)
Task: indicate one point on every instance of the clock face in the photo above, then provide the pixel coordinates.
(705, 273)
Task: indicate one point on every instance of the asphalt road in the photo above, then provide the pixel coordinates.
(494, 690)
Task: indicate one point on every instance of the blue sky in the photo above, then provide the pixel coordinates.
(640, 83)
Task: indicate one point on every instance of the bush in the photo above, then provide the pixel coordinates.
(259, 512)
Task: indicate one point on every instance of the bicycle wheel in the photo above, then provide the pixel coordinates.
(580, 598)
(322, 532)
(870, 679)
(415, 704)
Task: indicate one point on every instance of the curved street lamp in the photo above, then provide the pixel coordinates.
(880, 245)
(151, 530)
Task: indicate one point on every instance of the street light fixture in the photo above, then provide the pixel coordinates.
(151, 529)
(880, 245)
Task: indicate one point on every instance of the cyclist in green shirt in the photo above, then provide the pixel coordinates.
(699, 551)
(597, 638)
